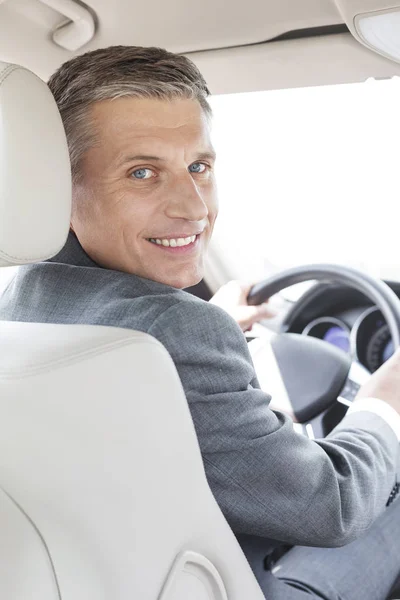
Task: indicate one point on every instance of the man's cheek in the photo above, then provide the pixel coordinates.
(213, 218)
(214, 204)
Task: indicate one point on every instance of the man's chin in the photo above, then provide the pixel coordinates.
(179, 280)
(183, 283)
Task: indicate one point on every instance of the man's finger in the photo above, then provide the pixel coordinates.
(254, 314)
(265, 311)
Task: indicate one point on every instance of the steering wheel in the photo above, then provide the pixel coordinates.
(316, 374)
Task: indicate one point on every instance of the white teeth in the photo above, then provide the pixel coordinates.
(173, 243)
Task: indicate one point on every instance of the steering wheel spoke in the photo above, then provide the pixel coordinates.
(358, 375)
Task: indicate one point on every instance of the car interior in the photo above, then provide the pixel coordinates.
(74, 525)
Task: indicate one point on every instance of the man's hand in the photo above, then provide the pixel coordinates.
(232, 297)
(384, 384)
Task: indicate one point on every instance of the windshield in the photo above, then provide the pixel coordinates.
(309, 176)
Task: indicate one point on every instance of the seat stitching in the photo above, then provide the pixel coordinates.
(31, 370)
(30, 258)
(7, 72)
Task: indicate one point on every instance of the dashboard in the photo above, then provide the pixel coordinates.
(346, 319)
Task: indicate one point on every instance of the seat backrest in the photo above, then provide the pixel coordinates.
(98, 452)
(103, 494)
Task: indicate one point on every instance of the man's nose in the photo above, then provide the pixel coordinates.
(186, 200)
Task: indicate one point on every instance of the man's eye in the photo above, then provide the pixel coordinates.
(142, 174)
(197, 168)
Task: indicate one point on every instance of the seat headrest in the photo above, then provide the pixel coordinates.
(35, 174)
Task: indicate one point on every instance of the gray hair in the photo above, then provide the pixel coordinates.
(117, 72)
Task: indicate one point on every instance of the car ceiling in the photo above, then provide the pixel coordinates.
(225, 38)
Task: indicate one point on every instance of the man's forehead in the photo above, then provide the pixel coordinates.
(149, 114)
(133, 128)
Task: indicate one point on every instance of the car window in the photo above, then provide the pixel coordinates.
(309, 175)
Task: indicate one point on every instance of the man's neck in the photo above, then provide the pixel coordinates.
(73, 254)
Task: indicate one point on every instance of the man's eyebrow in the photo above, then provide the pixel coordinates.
(209, 155)
(140, 157)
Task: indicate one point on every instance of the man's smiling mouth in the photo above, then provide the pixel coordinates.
(174, 242)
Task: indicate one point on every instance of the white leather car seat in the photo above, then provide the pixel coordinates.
(102, 489)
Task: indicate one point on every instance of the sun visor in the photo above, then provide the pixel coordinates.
(375, 24)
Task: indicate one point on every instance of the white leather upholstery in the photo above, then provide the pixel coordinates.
(98, 449)
(25, 566)
(103, 495)
(35, 179)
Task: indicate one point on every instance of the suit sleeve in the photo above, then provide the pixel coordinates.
(269, 480)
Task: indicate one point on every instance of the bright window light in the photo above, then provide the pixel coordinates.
(309, 176)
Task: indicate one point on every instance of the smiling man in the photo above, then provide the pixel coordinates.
(151, 173)
(144, 207)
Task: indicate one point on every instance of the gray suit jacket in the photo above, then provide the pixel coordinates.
(269, 481)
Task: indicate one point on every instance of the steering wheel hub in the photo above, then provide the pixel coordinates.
(313, 372)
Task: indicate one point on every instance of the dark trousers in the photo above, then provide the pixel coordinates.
(366, 569)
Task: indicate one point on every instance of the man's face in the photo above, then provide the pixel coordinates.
(147, 202)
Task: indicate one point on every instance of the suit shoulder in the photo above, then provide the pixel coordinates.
(195, 317)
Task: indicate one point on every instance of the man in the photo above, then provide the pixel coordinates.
(144, 207)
